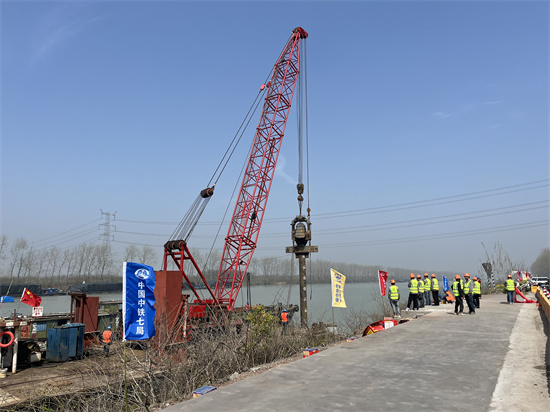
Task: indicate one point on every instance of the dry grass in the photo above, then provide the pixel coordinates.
(158, 373)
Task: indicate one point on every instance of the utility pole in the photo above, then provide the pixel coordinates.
(107, 226)
(301, 235)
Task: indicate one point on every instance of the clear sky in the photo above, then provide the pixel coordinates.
(428, 124)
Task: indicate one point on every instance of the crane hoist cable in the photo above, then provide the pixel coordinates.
(244, 229)
(307, 131)
(302, 130)
(307, 168)
(303, 140)
(256, 104)
(191, 218)
(246, 221)
(227, 208)
(303, 134)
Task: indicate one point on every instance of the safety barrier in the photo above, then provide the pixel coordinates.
(544, 301)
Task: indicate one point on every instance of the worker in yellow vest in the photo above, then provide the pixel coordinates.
(427, 290)
(394, 296)
(510, 289)
(468, 294)
(477, 291)
(435, 290)
(413, 293)
(420, 291)
(458, 293)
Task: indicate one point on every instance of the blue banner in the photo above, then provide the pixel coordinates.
(138, 301)
(445, 284)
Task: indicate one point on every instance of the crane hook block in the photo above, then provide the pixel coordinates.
(300, 187)
(208, 192)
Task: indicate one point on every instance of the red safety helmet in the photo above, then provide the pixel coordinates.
(392, 281)
(457, 277)
(412, 275)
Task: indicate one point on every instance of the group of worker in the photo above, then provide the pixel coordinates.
(469, 290)
(426, 293)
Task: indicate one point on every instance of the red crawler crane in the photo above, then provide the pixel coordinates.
(246, 222)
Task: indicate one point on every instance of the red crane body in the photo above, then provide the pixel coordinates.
(246, 222)
(248, 214)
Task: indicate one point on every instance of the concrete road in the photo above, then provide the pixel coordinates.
(491, 361)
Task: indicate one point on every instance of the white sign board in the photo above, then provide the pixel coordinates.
(38, 311)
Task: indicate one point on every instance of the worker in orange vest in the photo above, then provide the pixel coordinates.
(106, 337)
(284, 320)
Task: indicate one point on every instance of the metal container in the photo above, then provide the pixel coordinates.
(65, 342)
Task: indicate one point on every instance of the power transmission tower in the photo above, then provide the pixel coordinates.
(107, 226)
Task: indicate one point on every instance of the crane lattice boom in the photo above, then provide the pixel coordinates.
(246, 222)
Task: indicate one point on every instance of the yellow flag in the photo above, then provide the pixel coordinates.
(337, 281)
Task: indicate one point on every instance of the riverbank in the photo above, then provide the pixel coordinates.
(360, 298)
(491, 361)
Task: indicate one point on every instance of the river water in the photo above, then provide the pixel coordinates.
(361, 298)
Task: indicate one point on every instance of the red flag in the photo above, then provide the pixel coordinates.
(30, 298)
(528, 275)
(382, 278)
(519, 275)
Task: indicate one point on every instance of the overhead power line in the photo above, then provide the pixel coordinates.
(544, 204)
(139, 244)
(165, 235)
(473, 232)
(394, 207)
(484, 213)
(69, 239)
(438, 236)
(436, 201)
(518, 226)
(35, 243)
(68, 236)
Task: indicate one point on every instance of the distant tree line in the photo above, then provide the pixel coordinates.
(541, 266)
(53, 267)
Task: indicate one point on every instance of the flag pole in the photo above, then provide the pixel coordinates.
(125, 381)
(333, 326)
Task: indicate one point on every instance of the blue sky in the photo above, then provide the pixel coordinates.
(129, 106)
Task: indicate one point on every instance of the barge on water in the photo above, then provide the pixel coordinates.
(24, 339)
(16, 289)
